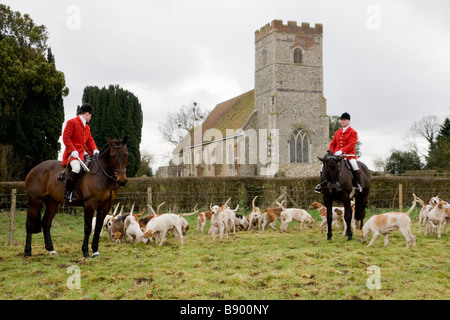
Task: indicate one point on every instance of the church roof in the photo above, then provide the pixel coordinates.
(231, 114)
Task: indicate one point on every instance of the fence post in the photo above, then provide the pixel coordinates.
(400, 197)
(149, 196)
(13, 210)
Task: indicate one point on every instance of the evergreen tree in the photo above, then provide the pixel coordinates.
(400, 161)
(439, 155)
(118, 113)
(31, 96)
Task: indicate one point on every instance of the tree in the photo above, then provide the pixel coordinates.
(400, 161)
(179, 123)
(427, 129)
(439, 155)
(31, 89)
(117, 113)
(335, 125)
(144, 169)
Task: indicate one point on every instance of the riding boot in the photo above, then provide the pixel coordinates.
(70, 184)
(357, 176)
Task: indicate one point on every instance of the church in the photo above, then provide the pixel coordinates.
(277, 129)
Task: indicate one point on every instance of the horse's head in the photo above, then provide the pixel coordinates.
(119, 158)
(331, 167)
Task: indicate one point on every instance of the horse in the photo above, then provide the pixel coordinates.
(337, 185)
(96, 190)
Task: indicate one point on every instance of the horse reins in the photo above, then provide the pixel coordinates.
(337, 185)
(115, 170)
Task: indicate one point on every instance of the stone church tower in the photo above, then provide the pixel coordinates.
(286, 110)
(289, 93)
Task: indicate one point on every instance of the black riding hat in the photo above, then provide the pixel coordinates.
(86, 107)
(345, 115)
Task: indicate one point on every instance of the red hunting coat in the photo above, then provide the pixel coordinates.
(77, 137)
(345, 141)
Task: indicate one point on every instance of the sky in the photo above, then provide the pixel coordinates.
(387, 63)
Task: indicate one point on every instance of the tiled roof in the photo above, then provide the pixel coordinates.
(230, 114)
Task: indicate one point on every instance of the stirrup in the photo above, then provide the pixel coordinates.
(70, 197)
(358, 188)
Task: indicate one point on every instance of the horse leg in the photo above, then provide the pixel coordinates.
(88, 215)
(329, 207)
(50, 212)
(360, 207)
(348, 218)
(33, 224)
(101, 214)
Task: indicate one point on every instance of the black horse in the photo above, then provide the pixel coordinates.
(337, 185)
(98, 191)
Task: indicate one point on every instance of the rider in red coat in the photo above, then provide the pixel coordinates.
(344, 143)
(78, 141)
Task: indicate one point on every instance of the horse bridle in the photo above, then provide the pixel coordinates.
(336, 185)
(115, 170)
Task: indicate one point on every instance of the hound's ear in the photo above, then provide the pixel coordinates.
(125, 140)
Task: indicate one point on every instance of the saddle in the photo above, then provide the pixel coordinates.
(67, 169)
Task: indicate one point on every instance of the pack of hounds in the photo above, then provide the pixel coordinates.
(154, 227)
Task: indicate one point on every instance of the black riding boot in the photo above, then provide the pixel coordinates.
(357, 175)
(70, 184)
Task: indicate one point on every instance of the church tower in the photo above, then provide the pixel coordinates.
(289, 94)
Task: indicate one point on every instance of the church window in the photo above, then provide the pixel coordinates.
(298, 55)
(299, 147)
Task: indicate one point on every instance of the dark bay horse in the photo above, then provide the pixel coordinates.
(98, 191)
(337, 185)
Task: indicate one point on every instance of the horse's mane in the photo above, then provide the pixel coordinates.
(104, 148)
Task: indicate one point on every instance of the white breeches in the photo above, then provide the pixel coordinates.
(75, 164)
(354, 164)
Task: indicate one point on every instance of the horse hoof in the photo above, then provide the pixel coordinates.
(53, 253)
(349, 238)
(96, 254)
(328, 237)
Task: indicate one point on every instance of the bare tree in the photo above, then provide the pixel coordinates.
(179, 123)
(425, 129)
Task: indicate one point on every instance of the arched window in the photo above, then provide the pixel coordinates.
(298, 55)
(299, 147)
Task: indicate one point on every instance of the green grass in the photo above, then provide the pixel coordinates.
(247, 265)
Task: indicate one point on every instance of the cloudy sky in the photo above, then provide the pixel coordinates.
(387, 63)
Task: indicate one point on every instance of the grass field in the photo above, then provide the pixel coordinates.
(246, 266)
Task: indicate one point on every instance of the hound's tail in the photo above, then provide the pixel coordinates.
(190, 214)
(281, 206)
(253, 202)
(413, 206)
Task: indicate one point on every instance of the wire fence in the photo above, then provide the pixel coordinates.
(184, 201)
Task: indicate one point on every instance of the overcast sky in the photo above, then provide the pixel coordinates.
(387, 63)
